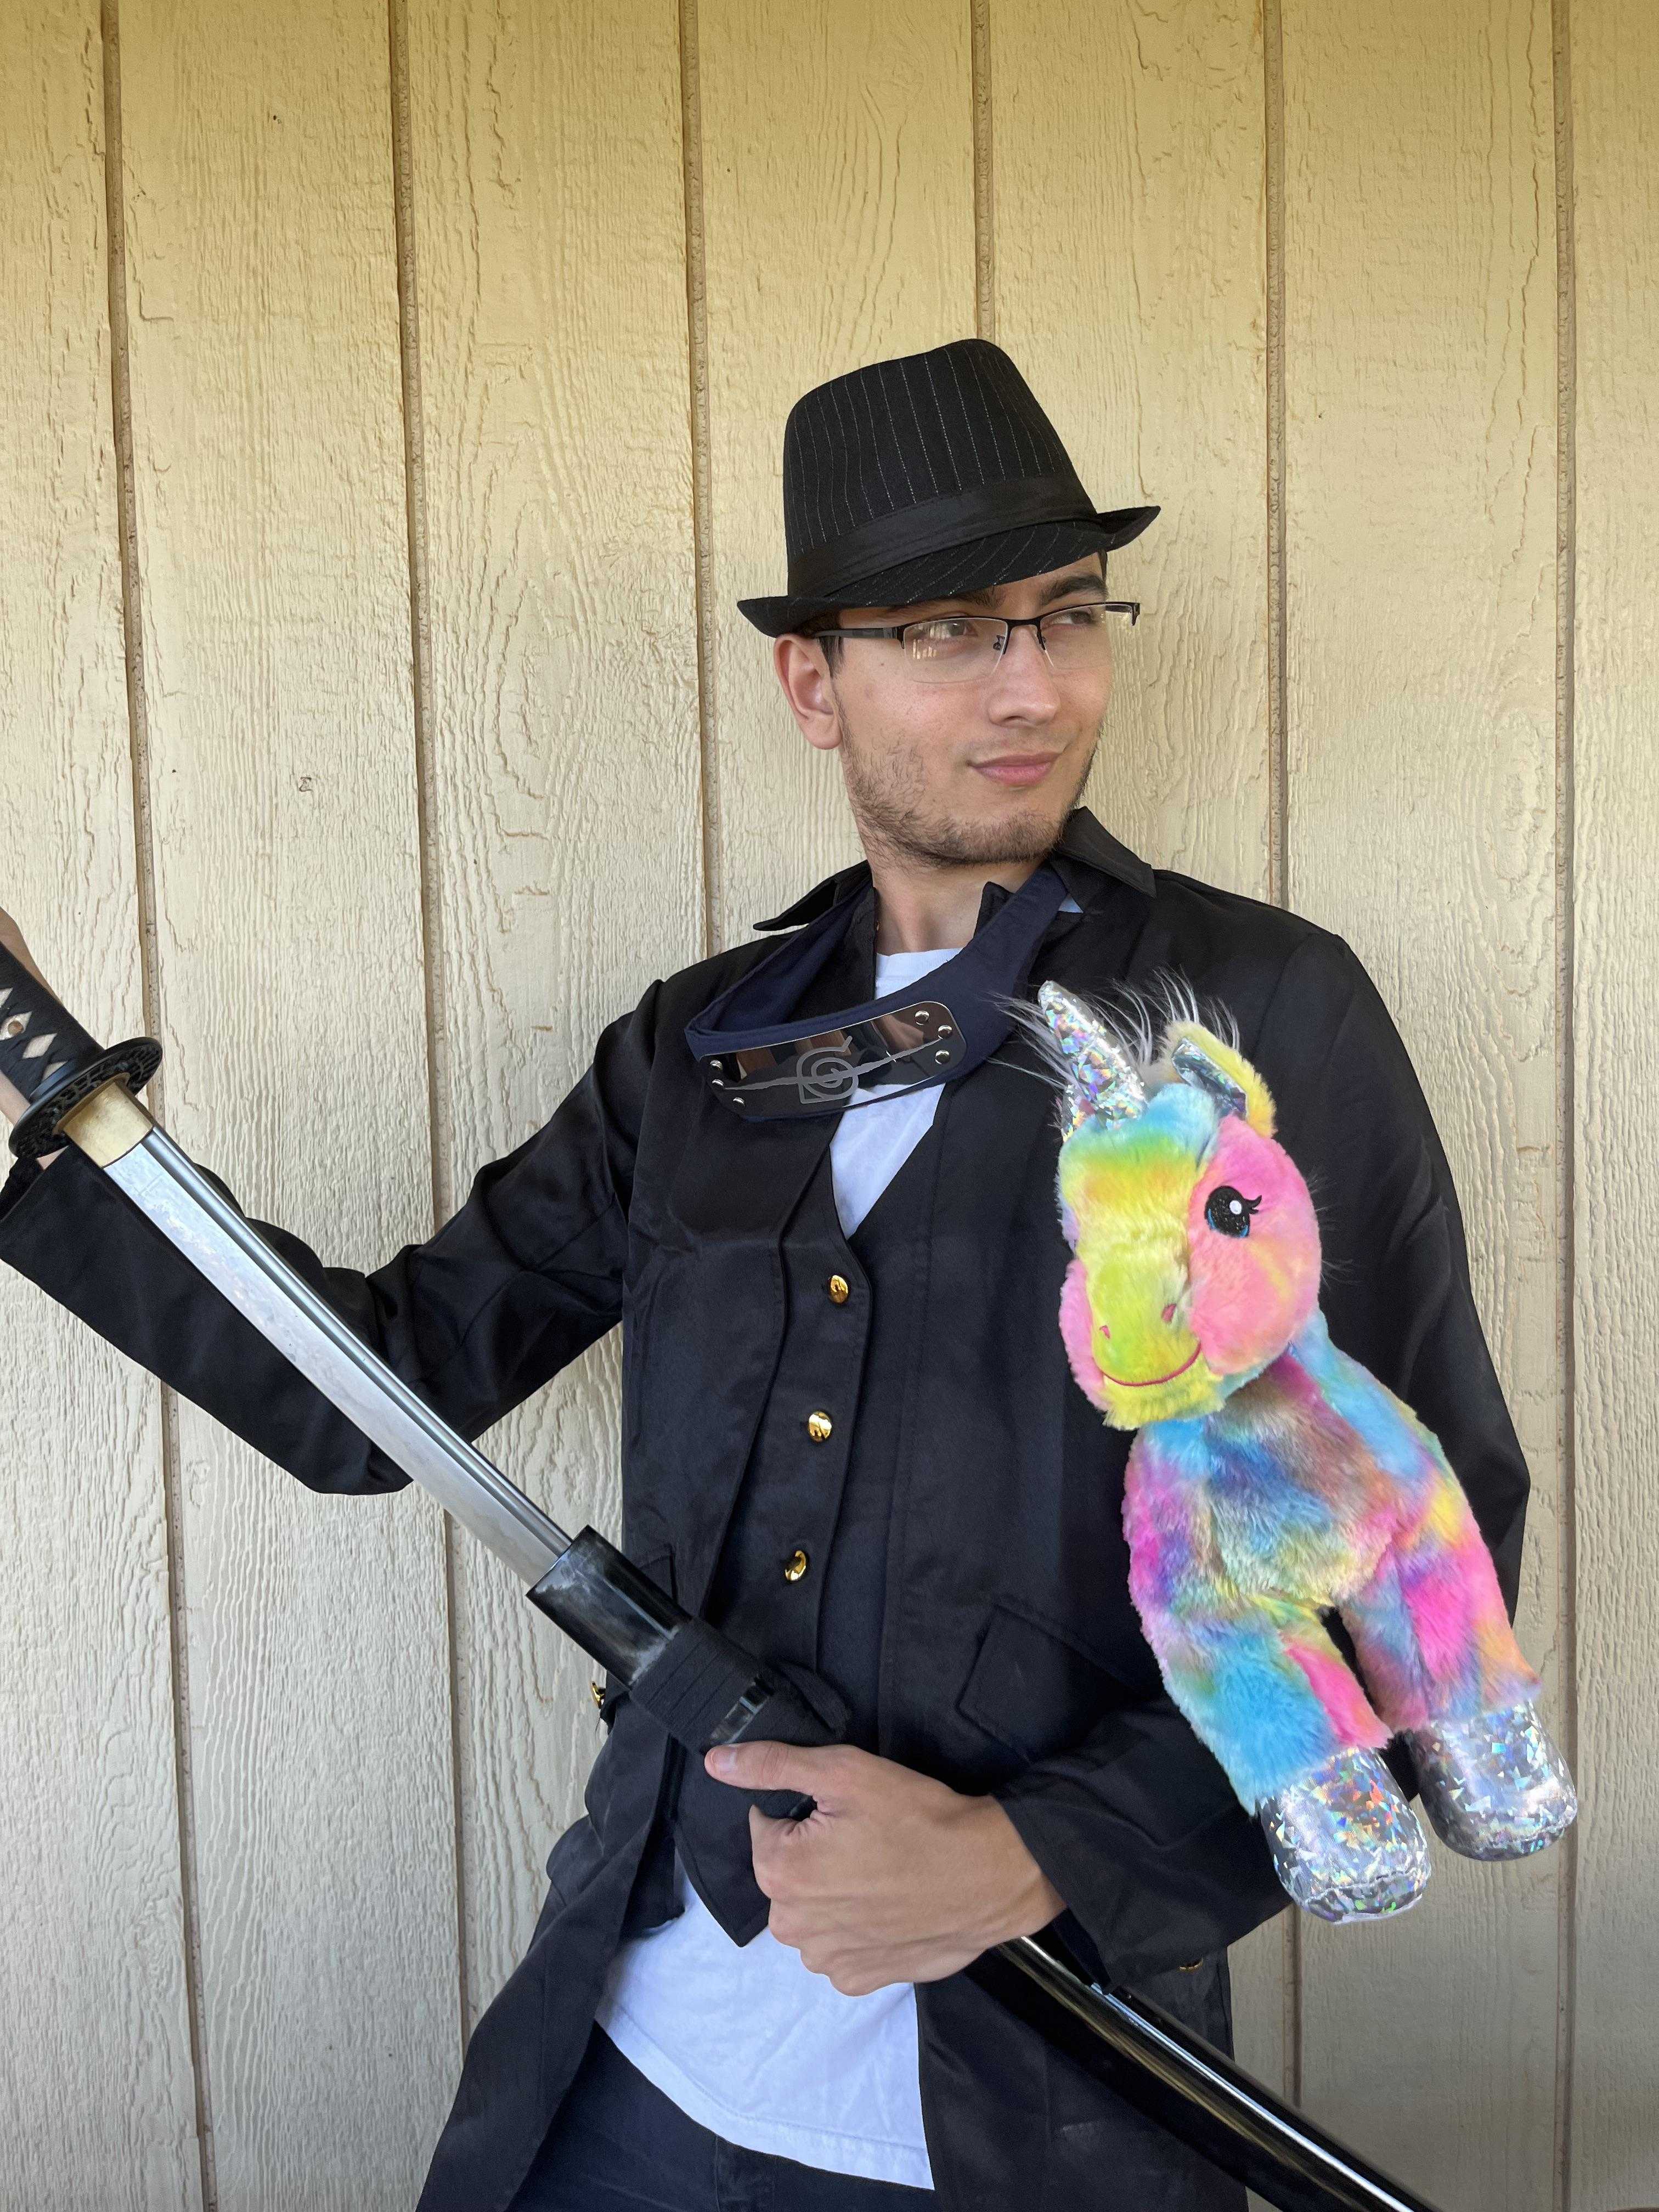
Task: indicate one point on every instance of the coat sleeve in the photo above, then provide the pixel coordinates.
(524, 1276)
(1136, 1826)
(1396, 1284)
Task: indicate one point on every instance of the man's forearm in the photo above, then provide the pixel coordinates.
(1030, 1899)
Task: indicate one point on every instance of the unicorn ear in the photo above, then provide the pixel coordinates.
(1100, 1077)
(1200, 1058)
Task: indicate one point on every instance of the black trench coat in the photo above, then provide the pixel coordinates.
(1011, 1659)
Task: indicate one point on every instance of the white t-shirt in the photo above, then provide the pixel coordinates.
(744, 2038)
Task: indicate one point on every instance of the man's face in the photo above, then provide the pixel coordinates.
(985, 771)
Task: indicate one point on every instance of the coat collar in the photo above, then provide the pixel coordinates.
(1087, 857)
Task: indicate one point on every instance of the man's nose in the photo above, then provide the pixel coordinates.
(1033, 671)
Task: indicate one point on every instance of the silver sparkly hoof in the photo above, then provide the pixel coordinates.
(1495, 1788)
(1346, 1844)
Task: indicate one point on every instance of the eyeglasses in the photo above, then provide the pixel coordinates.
(956, 649)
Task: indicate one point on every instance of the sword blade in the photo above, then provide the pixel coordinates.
(166, 1185)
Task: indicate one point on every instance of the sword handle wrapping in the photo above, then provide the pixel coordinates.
(698, 1685)
(47, 1055)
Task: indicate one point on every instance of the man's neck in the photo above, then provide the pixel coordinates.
(920, 909)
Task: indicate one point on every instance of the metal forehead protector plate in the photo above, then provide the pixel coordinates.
(763, 1059)
(804, 1075)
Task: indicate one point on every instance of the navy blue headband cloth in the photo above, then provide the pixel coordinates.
(766, 1065)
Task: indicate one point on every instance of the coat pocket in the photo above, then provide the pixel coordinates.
(1034, 1687)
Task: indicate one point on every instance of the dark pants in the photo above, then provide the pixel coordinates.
(618, 2145)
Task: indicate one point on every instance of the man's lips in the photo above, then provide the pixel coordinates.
(1153, 1381)
(1018, 769)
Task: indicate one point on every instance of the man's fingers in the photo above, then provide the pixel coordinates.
(767, 1867)
(826, 1773)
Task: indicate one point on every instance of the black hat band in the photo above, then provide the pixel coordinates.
(935, 527)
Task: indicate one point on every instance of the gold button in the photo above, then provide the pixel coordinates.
(598, 1693)
(819, 1427)
(794, 1566)
(838, 1289)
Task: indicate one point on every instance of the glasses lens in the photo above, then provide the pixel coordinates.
(953, 648)
(1080, 637)
(957, 648)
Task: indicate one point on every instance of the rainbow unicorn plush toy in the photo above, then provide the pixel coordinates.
(1272, 1477)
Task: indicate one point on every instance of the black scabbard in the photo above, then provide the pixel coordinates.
(700, 1687)
(1195, 2092)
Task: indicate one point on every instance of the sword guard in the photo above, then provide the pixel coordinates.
(41, 1129)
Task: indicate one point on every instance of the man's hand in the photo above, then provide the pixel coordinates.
(895, 1877)
(13, 1104)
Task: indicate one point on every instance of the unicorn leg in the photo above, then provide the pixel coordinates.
(1264, 1687)
(1444, 1667)
(1431, 1627)
(1261, 1683)
(1434, 1639)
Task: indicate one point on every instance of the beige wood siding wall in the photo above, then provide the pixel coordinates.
(390, 415)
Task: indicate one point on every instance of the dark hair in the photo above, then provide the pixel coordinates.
(835, 646)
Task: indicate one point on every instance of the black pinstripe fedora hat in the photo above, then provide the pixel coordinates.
(930, 473)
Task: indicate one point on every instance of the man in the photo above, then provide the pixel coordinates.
(850, 1436)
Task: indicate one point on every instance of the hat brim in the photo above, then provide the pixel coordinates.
(1002, 557)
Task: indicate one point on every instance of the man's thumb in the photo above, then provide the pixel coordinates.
(815, 1773)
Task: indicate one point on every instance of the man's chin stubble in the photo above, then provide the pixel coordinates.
(903, 831)
(1023, 837)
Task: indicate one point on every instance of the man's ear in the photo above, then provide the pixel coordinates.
(803, 670)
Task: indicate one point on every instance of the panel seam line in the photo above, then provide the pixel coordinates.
(433, 1011)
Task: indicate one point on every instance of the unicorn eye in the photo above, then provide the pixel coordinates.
(1230, 1211)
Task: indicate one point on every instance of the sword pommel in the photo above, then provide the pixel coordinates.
(51, 1060)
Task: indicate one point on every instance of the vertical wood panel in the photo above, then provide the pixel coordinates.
(1615, 90)
(561, 729)
(1130, 287)
(270, 483)
(1115, 181)
(1420, 523)
(838, 220)
(97, 2102)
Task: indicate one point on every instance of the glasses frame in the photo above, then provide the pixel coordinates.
(1130, 607)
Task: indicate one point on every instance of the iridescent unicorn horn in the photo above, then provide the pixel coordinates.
(1103, 1081)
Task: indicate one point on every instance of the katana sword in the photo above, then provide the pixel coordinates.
(700, 1687)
